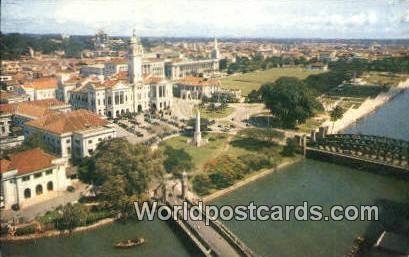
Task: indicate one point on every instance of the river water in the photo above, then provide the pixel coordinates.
(313, 181)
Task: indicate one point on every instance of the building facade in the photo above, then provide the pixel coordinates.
(73, 135)
(136, 90)
(29, 175)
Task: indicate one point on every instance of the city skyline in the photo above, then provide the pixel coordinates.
(252, 19)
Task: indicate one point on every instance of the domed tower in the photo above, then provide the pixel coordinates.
(135, 55)
(215, 52)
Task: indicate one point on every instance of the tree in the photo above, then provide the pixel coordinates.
(336, 114)
(177, 160)
(201, 184)
(72, 216)
(291, 147)
(122, 172)
(290, 101)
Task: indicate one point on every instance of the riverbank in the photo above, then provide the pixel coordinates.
(370, 105)
(55, 233)
(248, 180)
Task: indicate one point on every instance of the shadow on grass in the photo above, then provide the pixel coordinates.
(265, 121)
(251, 144)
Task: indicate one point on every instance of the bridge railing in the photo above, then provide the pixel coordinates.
(208, 251)
(233, 240)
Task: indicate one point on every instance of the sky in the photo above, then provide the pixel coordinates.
(211, 18)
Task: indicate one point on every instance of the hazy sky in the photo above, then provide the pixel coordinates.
(237, 18)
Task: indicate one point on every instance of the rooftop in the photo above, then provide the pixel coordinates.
(198, 81)
(42, 83)
(33, 109)
(27, 161)
(59, 122)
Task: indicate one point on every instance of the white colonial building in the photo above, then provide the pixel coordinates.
(73, 135)
(39, 89)
(124, 92)
(31, 176)
(196, 87)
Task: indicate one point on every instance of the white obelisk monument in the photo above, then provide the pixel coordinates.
(197, 137)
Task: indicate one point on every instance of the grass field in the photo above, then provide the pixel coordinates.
(199, 154)
(382, 78)
(253, 80)
(208, 114)
(220, 144)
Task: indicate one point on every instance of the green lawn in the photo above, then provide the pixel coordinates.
(382, 78)
(218, 144)
(253, 80)
(200, 155)
(208, 114)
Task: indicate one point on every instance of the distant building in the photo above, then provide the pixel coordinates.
(318, 66)
(196, 87)
(31, 176)
(124, 92)
(94, 69)
(9, 97)
(39, 89)
(73, 134)
(179, 69)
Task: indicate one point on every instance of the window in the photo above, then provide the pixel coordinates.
(90, 151)
(50, 186)
(39, 189)
(68, 141)
(37, 175)
(27, 193)
(89, 141)
(48, 172)
(26, 178)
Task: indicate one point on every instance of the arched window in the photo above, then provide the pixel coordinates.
(27, 193)
(50, 186)
(39, 189)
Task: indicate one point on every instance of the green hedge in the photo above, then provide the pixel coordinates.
(27, 230)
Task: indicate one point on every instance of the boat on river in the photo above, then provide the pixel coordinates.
(129, 243)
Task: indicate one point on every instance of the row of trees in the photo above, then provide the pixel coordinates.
(15, 45)
(257, 62)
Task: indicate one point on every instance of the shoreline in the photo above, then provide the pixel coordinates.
(248, 180)
(369, 106)
(55, 233)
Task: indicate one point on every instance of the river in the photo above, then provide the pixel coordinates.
(313, 181)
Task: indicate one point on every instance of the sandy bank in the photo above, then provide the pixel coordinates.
(367, 107)
(54, 233)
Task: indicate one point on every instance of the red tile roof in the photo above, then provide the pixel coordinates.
(27, 161)
(42, 83)
(59, 123)
(36, 108)
(197, 81)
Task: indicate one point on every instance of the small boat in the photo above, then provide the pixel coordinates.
(129, 243)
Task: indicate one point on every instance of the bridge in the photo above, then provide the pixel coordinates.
(212, 240)
(365, 151)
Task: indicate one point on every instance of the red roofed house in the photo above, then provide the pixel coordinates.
(71, 134)
(30, 175)
(196, 87)
(43, 88)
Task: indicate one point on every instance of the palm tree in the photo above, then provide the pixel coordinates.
(336, 114)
